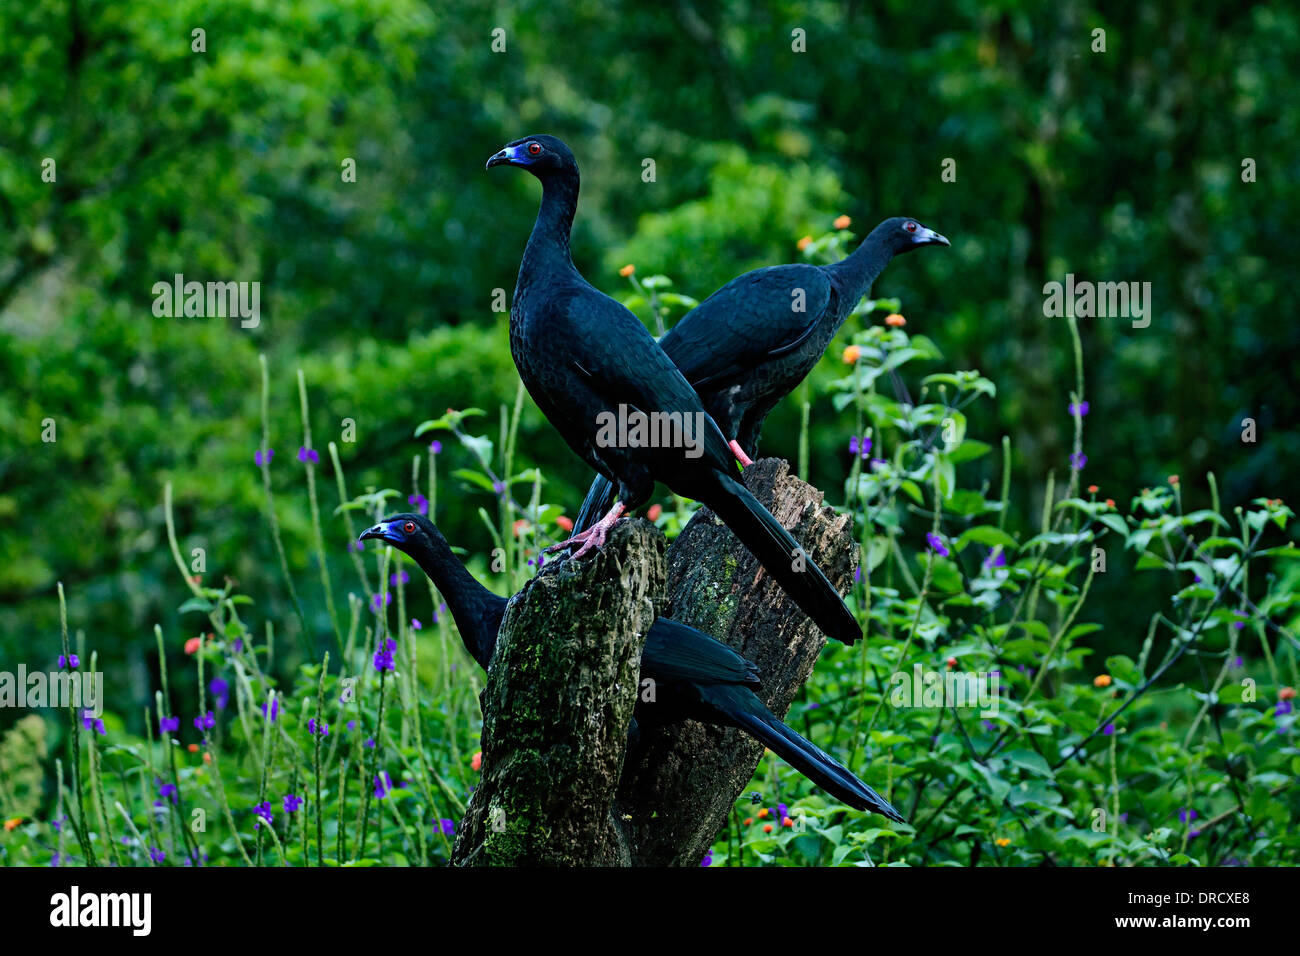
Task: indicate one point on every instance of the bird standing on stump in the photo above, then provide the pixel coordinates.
(752, 342)
(584, 357)
(696, 677)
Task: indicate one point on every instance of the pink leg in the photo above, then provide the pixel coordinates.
(594, 537)
(739, 452)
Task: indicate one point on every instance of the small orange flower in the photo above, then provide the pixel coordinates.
(193, 748)
(1002, 841)
(654, 511)
(767, 828)
(196, 579)
(786, 821)
(565, 522)
(951, 662)
(193, 644)
(842, 222)
(1093, 489)
(749, 821)
(1173, 480)
(627, 270)
(476, 762)
(1101, 680)
(1286, 693)
(520, 526)
(804, 243)
(13, 823)
(851, 354)
(1110, 502)
(764, 813)
(207, 756)
(895, 320)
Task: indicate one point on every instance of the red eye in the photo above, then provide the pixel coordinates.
(409, 527)
(534, 149)
(910, 227)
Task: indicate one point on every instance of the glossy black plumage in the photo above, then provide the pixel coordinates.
(749, 345)
(695, 676)
(581, 354)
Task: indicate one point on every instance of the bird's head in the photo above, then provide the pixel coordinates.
(405, 532)
(541, 155)
(902, 234)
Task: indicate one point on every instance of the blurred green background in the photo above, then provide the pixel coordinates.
(226, 165)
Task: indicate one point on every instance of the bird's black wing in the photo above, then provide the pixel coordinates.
(750, 320)
(678, 652)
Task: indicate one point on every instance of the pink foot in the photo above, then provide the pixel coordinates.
(739, 452)
(594, 537)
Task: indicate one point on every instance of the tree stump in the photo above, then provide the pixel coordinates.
(559, 786)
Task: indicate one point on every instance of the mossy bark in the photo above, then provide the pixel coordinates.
(559, 786)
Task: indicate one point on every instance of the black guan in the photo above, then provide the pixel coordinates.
(585, 359)
(696, 677)
(752, 342)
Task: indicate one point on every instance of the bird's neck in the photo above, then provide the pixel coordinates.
(548, 246)
(858, 271)
(476, 610)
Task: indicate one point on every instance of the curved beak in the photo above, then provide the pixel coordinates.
(505, 157)
(930, 237)
(378, 531)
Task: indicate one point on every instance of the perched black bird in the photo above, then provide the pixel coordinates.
(695, 676)
(749, 345)
(589, 363)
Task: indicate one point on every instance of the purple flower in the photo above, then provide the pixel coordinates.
(168, 792)
(275, 709)
(499, 487)
(860, 446)
(380, 601)
(936, 543)
(1079, 408)
(1282, 709)
(421, 503)
(352, 725)
(318, 727)
(989, 725)
(877, 463)
(814, 706)
(448, 827)
(1077, 460)
(291, 802)
(93, 723)
(71, 661)
(205, 721)
(1237, 662)
(1186, 816)
(263, 810)
(263, 458)
(308, 454)
(415, 624)
(1108, 729)
(384, 656)
(435, 447)
(356, 546)
(168, 724)
(398, 577)
(220, 689)
(782, 811)
(157, 855)
(997, 558)
(383, 784)
(708, 857)
(857, 574)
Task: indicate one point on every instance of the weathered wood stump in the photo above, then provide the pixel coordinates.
(559, 786)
